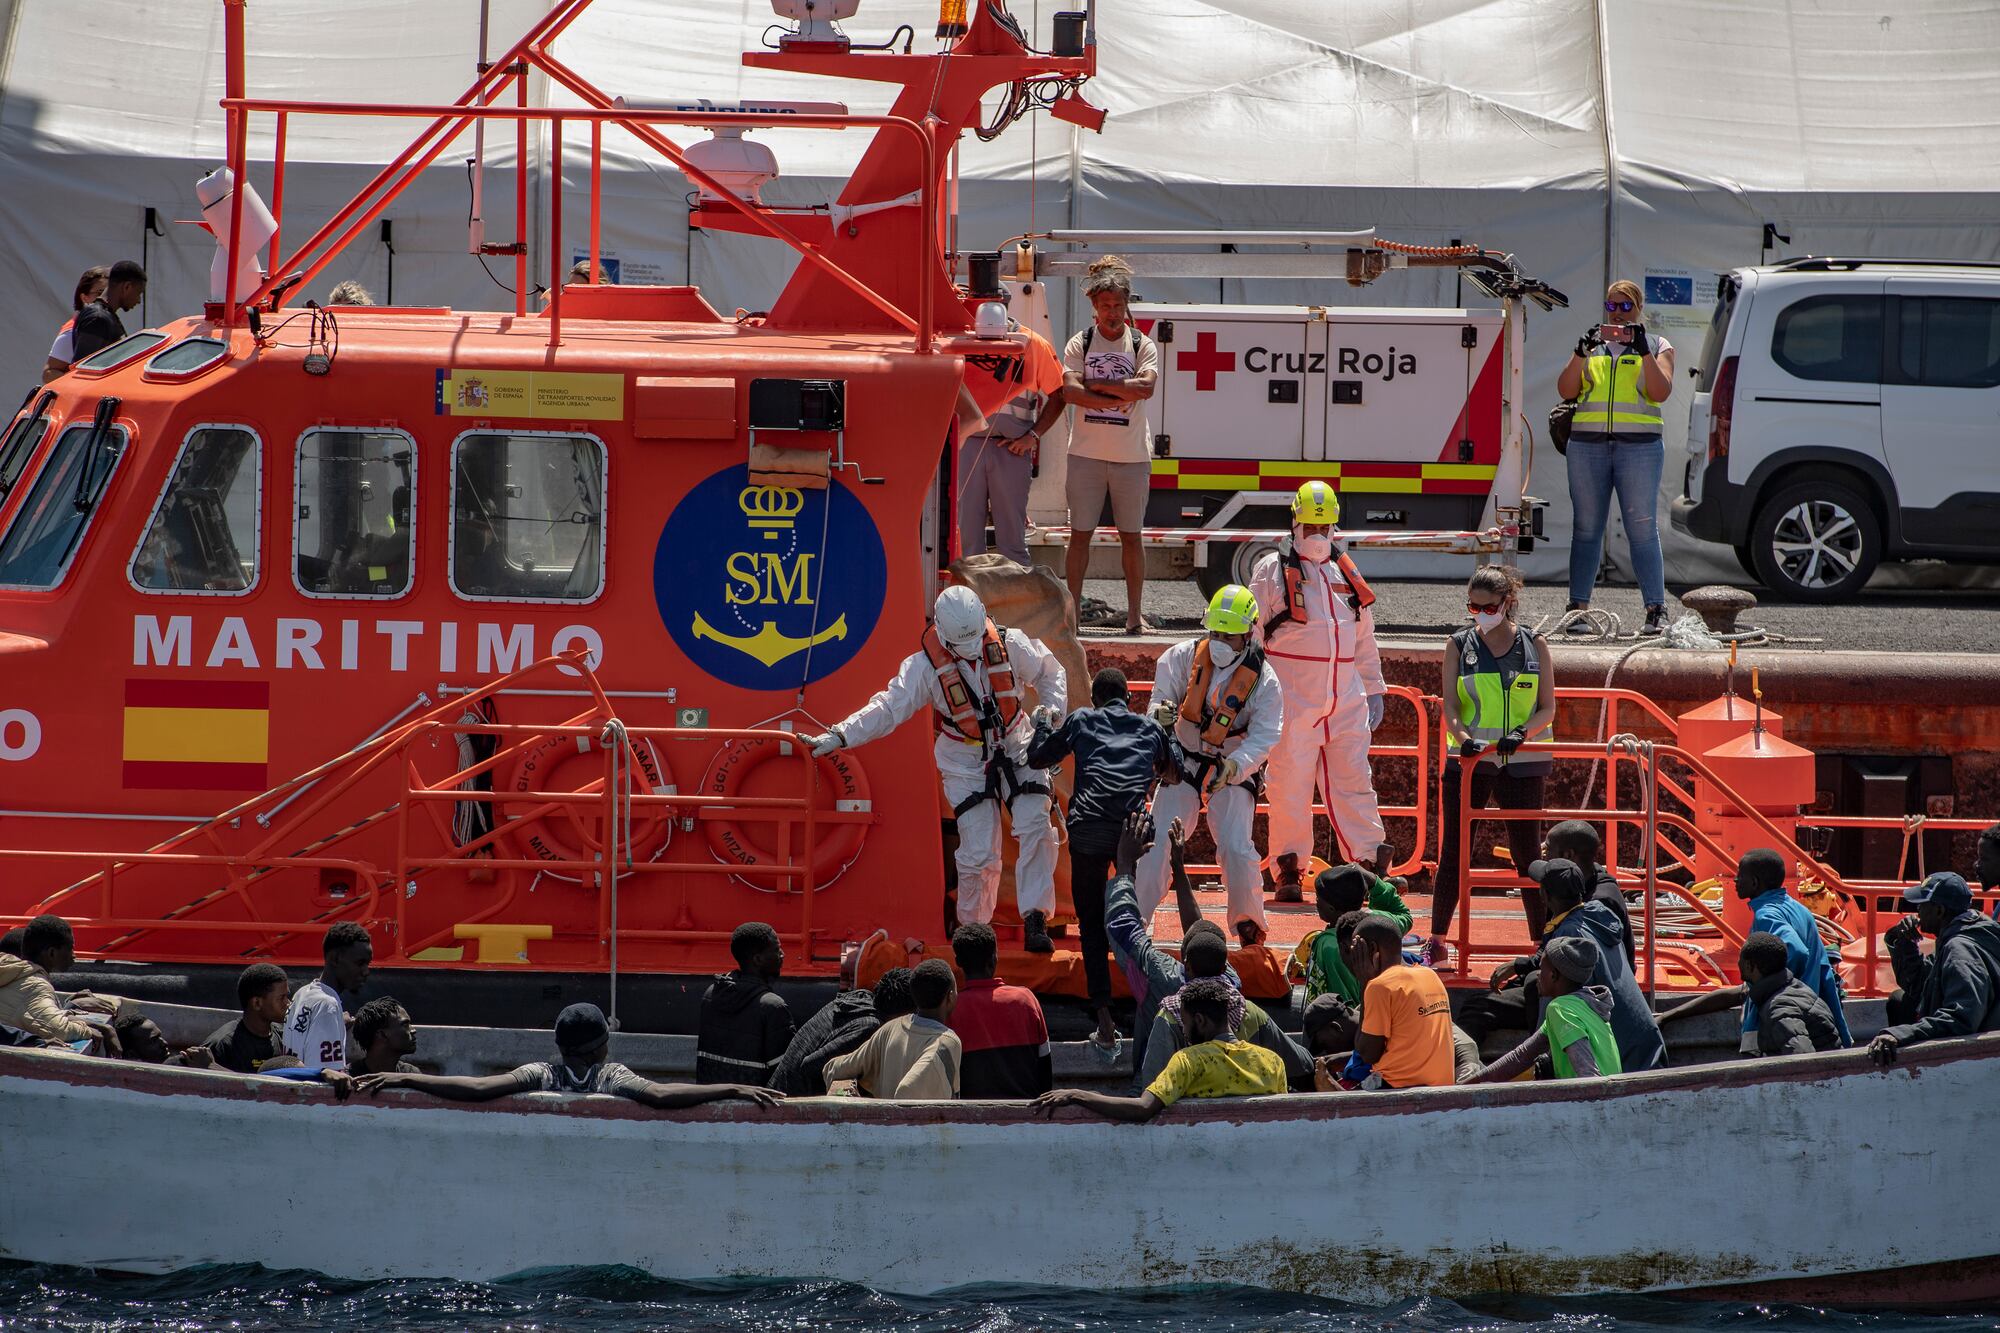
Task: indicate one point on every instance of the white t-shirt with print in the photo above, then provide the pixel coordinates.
(1120, 434)
(316, 1027)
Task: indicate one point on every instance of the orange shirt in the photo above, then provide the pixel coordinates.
(1408, 1006)
(1014, 382)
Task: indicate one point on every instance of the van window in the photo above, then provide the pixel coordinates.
(1718, 329)
(528, 517)
(203, 537)
(353, 515)
(1831, 338)
(23, 438)
(1950, 342)
(50, 525)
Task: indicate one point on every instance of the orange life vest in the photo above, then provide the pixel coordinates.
(1359, 596)
(965, 716)
(1218, 720)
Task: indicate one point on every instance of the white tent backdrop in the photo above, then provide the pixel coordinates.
(1585, 136)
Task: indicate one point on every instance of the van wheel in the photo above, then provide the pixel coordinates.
(1815, 540)
(1229, 563)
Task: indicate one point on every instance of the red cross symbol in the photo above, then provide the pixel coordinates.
(1205, 362)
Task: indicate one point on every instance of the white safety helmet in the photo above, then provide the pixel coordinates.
(961, 619)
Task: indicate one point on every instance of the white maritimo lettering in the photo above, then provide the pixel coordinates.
(302, 644)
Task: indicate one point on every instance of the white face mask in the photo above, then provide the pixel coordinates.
(965, 652)
(1222, 656)
(1487, 620)
(1315, 548)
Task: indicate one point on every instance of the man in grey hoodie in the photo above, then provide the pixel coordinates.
(1957, 988)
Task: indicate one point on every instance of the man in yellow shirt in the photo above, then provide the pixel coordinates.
(1214, 1063)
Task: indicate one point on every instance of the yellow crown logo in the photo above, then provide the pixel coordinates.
(771, 506)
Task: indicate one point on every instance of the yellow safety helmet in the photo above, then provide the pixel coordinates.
(1233, 610)
(1315, 503)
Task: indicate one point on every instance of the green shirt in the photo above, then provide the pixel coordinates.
(1570, 1019)
(1326, 971)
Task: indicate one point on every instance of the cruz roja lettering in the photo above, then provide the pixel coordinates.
(309, 644)
(1347, 361)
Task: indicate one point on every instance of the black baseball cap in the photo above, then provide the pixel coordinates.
(1946, 888)
(1559, 869)
(581, 1027)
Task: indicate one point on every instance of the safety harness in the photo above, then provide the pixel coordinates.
(981, 720)
(1359, 595)
(1218, 721)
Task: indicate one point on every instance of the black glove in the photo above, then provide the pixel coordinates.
(1511, 741)
(1469, 747)
(1587, 342)
(1638, 339)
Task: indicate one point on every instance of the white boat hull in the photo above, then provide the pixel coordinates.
(1814, 1177)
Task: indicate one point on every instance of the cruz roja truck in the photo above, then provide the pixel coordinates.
(1416, 416)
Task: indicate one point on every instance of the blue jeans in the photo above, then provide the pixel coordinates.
(1632, 468)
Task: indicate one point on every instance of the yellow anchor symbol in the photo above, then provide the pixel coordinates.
(767, 645)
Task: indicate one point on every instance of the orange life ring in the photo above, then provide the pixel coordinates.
(575, 832)
(752, 841)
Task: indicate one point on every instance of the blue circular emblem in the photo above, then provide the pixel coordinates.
(768, 587)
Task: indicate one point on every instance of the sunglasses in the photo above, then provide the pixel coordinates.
(1478, 609)
(1619, 307)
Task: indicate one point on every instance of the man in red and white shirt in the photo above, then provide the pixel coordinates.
(1002, 1028)
(1321, 643)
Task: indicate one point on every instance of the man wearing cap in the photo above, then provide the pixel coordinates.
(1225, 707)
(1320, 635)
(1957, 989)
(1019, 390)
(1573, 916)
(1575, 1032)
(1760, 879)
(973, 679)
(584, 1040)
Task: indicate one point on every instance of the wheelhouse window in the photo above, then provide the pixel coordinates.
(133, 345)
(22, 439)
(204, 533)
(353, 513)
(528, 518)
(50, 525)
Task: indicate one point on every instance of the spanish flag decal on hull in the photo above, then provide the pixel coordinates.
(210, 735)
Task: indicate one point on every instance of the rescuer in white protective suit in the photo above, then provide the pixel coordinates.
(973, 679)
(1320, 637)
(1224, 705)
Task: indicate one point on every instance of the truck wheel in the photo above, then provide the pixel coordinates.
(1815, 540)
(1230, 562)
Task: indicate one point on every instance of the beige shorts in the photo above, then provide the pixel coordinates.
(1092, 480)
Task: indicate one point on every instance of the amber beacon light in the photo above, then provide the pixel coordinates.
(951, 19)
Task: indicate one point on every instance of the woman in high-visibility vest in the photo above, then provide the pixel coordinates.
(1619, 376)
(1499, 694)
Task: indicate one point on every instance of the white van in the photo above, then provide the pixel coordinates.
(1847, 411)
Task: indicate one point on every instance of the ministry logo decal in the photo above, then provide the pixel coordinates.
(769, 587)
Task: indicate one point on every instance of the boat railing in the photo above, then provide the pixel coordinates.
(601, 811)
(481, 103)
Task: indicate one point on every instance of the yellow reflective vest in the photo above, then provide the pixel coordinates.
(1613, 401)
